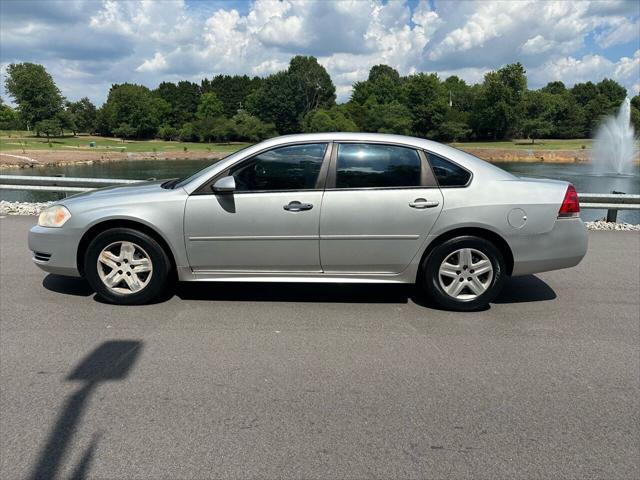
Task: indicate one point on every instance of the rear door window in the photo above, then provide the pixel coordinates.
(361, 165)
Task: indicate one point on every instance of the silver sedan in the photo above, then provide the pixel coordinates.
(332, 207)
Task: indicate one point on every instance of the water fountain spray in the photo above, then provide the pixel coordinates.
(614, 148)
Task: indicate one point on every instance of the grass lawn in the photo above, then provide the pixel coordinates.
(14, 140)
(23, 140)
(541, 144)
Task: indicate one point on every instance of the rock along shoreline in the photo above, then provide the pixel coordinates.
(33, 208)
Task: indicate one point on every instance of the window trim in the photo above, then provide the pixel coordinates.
(427, 177)
(447, 159)
(206, 187)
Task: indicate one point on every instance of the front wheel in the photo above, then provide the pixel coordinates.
(127, 267)
(464, 273)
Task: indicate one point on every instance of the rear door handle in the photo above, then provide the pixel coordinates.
(423, 203)
(296, 206)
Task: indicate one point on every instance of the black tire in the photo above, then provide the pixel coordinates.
(158, 281)
(430, 281)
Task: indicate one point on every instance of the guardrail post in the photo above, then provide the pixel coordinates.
(61, 195)
(612, 214)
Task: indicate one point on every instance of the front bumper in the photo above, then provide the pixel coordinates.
(55, 249)
(562, 247)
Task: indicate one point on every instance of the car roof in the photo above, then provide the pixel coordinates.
(351, 136)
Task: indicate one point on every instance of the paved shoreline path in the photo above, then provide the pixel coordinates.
(322, 381)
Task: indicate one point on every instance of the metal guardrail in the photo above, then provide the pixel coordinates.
(612, 202)
(58, 184)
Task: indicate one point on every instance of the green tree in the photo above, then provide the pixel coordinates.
(168, 132)
(536, 127)
(286, 97)
(274, 102)
(328, 120)
(594, 112)
(460, 94)
(425, 99)
(9, 117)
(67, 121)
(382, 86)
(454, 127)
(222, 129)
(188, 133)
(556, 88)
(232, 90)
(50, 127)
(613, 91)
(125, 131)
(567, 117)
(34, 91)
(388, 118)
(131, 105)
(497, 109)
(183, 98)
(251, 128)
(210, 106)
(584, 92)
(314, 87)
(453, 131)
(84, 113)
(635, 113)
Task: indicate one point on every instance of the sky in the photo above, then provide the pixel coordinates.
(88, 45)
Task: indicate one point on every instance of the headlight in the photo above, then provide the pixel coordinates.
(55, 216)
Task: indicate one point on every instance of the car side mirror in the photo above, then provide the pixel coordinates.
(224, 185)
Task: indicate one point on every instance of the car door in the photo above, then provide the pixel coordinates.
(380, 203)
(269, 223)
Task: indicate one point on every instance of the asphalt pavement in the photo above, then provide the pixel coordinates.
(322, 381)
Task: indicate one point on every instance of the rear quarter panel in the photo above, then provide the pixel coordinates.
(543, 242)
(487, 203)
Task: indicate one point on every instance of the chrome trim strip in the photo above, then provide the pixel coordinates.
(369, 237)
(255, 237)
(204, 271)
(306, 237)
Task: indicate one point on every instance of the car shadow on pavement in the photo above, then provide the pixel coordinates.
(75, 286)
(528, 288)
(524, 289)
(111, 361)
(294, 292)
(516, 290)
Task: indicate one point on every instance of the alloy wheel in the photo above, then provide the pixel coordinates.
(124, 267)
(465, 274)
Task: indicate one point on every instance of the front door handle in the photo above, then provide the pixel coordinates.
(296, 206)
(423, 203)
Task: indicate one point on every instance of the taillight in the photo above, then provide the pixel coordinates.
(570, 205)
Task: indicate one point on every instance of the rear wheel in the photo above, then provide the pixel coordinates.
(464, 273)
(125, 266)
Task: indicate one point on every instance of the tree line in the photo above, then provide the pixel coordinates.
(302, 99)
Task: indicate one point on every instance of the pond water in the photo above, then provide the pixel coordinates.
(580, 175)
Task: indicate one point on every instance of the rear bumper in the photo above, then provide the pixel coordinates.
(562, 247)
(54, 250)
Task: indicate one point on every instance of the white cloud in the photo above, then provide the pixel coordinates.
(156, 64)
(622, 30)
(537, 44)
(590, 68)
(87, 46)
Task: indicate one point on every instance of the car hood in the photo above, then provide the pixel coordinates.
(130, 194)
